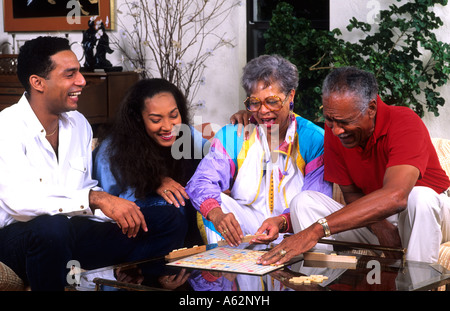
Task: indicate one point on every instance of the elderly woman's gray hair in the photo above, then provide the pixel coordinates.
(353, 80)
(270, 69)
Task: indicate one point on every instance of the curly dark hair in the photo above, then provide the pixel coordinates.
(270, 69)
(34, 57)
(137, 161)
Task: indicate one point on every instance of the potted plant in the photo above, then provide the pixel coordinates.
(403, 52)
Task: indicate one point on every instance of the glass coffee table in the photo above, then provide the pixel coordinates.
(369, 273)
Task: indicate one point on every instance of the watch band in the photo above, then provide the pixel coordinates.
(326, 229)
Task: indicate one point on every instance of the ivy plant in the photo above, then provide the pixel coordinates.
(402, 51)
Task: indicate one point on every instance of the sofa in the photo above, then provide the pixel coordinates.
(9, 281)
(442, 147)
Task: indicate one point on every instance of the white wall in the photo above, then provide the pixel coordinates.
(222, 91)
(343, 10)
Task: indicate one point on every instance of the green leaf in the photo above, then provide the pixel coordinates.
(394, 52)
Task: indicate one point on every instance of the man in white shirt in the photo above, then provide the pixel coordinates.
(45, 180)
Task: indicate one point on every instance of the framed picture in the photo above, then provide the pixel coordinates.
(55, 15)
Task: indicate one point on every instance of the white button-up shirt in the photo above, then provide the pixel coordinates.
(33, 180)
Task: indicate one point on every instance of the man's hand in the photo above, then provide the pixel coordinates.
(292, 246)
(226, 225)
(387, 235)
(126, 214)
(242, 119)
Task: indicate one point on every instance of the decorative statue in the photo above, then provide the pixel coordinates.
(95, 37)
(102, 49)
(89, 42)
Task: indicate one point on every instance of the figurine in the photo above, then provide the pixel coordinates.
(102, 48)
(89, 42)
(95, 37)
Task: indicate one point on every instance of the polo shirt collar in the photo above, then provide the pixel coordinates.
(382, 120)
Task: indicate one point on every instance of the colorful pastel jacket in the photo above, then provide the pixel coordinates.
(245, 168)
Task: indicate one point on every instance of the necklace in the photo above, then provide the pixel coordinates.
(48, 135)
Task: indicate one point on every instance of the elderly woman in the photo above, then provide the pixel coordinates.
(282, 155)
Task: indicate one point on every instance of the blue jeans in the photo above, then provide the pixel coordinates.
(39, 250)
(193, 236)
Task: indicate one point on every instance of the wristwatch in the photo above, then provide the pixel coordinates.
(325, 227)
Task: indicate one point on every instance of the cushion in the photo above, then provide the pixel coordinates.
(444, 255)
(442, 147)
(9, 281)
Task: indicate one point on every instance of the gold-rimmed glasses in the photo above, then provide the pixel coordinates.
(273, 103)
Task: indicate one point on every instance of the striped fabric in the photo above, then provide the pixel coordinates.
(442, 147)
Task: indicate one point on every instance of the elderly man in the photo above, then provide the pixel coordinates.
(387, 168)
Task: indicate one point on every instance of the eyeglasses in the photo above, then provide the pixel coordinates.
(273, 103)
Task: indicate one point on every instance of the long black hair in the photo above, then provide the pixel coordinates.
(136, 160)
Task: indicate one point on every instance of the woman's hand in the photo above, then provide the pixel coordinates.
(174, 281)
(270, 226)
(227, 226)
(131, 275)
(172, 192)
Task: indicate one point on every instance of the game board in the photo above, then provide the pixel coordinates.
(227, 260)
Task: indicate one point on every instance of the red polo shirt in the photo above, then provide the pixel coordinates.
(400, 137)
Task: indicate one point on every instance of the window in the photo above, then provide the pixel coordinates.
(259, 13)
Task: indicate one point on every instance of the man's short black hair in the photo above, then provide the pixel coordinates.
(34, 57)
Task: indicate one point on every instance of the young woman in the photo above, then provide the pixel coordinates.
(138, 159)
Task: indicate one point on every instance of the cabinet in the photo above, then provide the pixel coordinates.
(103, 93)
(98, 102)
(10, 88)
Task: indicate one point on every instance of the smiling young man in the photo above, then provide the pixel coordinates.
(51, 210)
(384, 161)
